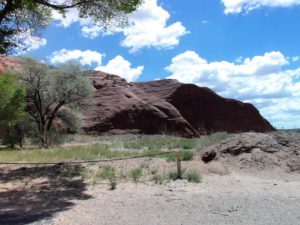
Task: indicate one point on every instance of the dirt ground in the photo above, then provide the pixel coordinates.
(226, 195)
(231, 199)
(251, 181)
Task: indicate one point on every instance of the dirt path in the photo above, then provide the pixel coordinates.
(232, 199)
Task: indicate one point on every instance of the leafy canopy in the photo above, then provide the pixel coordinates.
(55, 93)
(19, 18)
(11, 100)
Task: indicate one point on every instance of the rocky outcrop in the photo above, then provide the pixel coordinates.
(258, 150)
(7, 63)
(121, 107)
(206, 111)
(161, 107)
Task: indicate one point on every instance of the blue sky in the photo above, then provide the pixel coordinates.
(243, 49)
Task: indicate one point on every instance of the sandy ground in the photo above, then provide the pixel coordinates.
(229, 193)
(235, 198)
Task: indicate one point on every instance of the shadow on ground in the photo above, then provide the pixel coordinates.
(30, 194)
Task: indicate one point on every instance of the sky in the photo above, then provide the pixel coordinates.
(243, 49)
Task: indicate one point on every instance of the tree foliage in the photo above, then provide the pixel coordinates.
(54, 94)
(11, 101)
(19, 17)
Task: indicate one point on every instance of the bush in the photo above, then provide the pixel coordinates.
(173, 175)
(159, 178)
(192, 176)
(70, 171)
(185, 155)
(136, 174)
(108, 172)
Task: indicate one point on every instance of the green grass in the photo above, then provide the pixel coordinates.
(109, 172)
(173, 175)
(192, 176)
(159, 179)
(136, 174)
(185, 155)
(54, 155)
(111, 147)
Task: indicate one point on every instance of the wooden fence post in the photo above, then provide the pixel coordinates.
(178, 161)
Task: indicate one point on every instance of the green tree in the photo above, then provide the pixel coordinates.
(11, 101)
(31, 16)
(54, 94)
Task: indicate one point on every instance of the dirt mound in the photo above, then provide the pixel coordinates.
(261, 151)
(206, 111)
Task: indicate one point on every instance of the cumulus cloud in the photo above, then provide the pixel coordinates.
(87, 57)
(238, 6)
(34, 42)
(29, 42)
(122, 67)
(118, 65)
(261, 80)
(147, 27)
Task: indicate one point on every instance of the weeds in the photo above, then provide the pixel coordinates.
(192, 176)
(173, 175)
(136, 174)
(185, 155)
(108, 172)
(159, 179)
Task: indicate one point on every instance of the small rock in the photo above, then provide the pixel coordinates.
(208, 156)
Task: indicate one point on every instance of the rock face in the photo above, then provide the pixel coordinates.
(206, 111)
(166, 106)
(7, 63)
(161, 107)
(122, 107)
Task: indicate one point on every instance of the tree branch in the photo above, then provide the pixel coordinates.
(7, 10)
(59, 7)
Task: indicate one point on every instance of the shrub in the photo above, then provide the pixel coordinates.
(136, 174)
(108, 172)
(192, 176)
(173, 175)
(159, 178)
(185, 155)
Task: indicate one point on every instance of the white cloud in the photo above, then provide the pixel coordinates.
(261, 80)
(118, 65)
(238, 6)
(147, 27)
(71, 16)
(295, 58)
(121, 67)
(29, 42)
(87, 57)
(34, 42)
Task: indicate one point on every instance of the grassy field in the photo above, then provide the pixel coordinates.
(80, 147)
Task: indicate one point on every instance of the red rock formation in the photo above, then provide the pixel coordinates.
(7, 63)
(121, 106)
(158, 107)
(206, 111)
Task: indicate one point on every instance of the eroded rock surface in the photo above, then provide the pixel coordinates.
(257, 150)
(205, 110)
